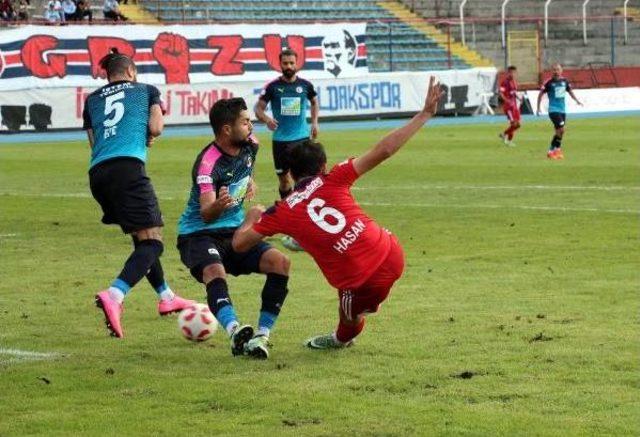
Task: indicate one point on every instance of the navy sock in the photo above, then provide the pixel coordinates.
(220, 302)
(556, 142)
(274, 293)
(155, 275)
(146, 253)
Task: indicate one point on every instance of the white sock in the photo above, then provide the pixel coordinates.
(263, 331)
(231, 327)
(167, 294)
(335, 339)
(116, 294)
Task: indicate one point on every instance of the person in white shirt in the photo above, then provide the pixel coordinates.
(69, 9)
(54, 12)
(112, 11)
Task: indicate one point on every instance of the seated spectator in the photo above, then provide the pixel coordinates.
(22, 10)
(84, 10)
(53, 12)
(69, 8)
(112, 11)
(6, 10)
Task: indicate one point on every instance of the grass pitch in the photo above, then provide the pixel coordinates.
(517, 314)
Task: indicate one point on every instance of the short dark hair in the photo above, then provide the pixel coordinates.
(226, 111)
(288, 52)
(511, 68)
(307, 159)
(116, 63)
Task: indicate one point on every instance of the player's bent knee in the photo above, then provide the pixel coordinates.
(274, 261)
(213, 271)
(149, 234)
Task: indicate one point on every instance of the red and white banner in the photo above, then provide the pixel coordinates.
(69, 56)
(377, 93)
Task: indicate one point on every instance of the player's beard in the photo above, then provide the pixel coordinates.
(289, 73)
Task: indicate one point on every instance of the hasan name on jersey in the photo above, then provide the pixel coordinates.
(118, 114)
(324, 218)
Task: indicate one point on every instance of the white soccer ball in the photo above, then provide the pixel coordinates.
(197, 323)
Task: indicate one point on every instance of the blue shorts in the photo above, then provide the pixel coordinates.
(201, 249)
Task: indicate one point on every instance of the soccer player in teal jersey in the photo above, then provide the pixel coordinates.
(556, 89)
(290, 96)
(121, 119)
(222, 179)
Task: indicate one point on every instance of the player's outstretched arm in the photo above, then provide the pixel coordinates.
(245, 237)
(392, 142)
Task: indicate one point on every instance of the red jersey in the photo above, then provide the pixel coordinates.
(508, 90)
(324, 218)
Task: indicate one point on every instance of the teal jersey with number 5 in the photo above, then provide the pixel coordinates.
(118, 114)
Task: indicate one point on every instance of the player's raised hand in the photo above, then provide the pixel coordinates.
(315, 129)
(224, 199)
(252, 189)
(434, 93)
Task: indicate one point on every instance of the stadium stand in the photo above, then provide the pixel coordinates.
(565, 39)
(397, 40)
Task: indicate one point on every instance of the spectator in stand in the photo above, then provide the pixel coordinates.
(7, 12)
(69, 8)
(23, 10)
(84, 10)
(53, 13)
(112, 11)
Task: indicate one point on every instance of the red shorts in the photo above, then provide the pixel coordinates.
(512, 113)
(368, 297)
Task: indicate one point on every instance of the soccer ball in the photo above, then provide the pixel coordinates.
(197, 323)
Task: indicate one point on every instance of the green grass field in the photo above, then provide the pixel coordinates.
(517, 313)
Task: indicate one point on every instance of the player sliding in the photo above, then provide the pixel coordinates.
(121, 120)
(357, 256)
(509, 95)
(221, 180)
(556, 88)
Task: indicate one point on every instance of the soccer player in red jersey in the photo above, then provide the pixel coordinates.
(356, 255)
(508, 93)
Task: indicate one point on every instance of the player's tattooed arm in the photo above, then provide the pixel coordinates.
(212, 206)
(261, 115)
(245, 237)
(315, 112)
(393, 141)
(90, 137)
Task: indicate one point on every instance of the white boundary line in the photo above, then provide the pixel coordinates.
(16, 355)
(424, 205)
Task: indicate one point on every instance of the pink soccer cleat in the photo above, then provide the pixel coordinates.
(175, 305)
(112, 311)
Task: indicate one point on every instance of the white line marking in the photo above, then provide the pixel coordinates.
(525, 207)
(17, 355)
(499, 187)
(8, 235)
(415, 205)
